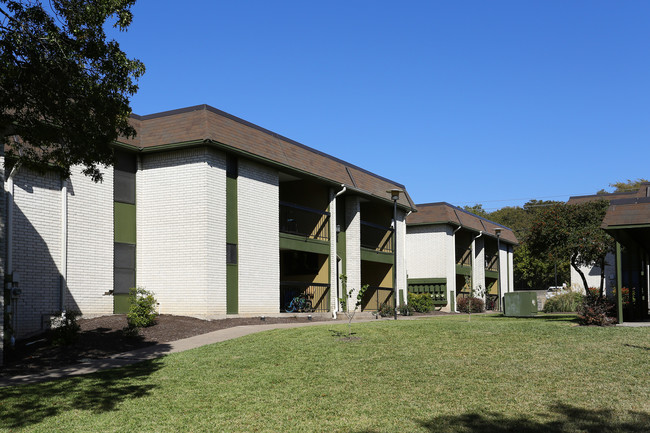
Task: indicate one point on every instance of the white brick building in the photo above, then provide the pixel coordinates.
(215, 215)
(448, 247)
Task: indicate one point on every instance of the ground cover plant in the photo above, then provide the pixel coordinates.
(441, 374)
(563, 303)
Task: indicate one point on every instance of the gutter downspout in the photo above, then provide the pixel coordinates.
(64, 244)
(333, 242)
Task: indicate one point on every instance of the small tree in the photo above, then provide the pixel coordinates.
(343, 301)
(573, 233)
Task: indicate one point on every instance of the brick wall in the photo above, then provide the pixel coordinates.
(181, 230)
(478, 267)
(90, 243)
(401, 256)
(353, 245)
(334, 278)
(259, 239)
(36, 248)
(450, 266)
(427, 250)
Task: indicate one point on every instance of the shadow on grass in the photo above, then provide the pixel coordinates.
(21, 406)
(560, 418)
(340, 334)
(637, 347)
(556, 317)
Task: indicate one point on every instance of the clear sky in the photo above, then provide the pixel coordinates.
(492, 102)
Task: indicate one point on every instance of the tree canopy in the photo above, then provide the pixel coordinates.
(572, 232)
(629, 185)
(477, 209)
(64, 88)
(530, 270)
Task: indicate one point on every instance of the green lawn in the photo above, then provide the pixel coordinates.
(441, 374)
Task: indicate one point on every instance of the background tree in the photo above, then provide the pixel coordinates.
(572, 232)
(530, 271)
(64, 88)
(477, 209)
(629, 185)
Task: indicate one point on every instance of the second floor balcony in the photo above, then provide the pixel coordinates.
(376, 237)
(304, 221)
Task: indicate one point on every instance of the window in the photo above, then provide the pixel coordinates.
(231, 254)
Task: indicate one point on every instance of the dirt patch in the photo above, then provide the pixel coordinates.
(104, 336)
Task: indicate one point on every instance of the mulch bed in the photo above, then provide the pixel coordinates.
(104, 336)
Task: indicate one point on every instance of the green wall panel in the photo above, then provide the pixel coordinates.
(300, 243)
(124, 223)
(375, 256)
(121, 304)
(232, 236)
(232, 292)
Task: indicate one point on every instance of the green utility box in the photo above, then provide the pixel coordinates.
(520, 304)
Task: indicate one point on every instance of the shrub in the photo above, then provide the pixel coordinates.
(627, 295)
(142, 308)
(406, 310)
(462, 303)
(386, 310)
(64, 327)
(596, 311)
(422, 303)
(491, 302)
(564, 303)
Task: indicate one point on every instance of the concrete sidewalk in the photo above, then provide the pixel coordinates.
(158, 350)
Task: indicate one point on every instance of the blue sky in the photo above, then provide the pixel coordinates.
(492, 102)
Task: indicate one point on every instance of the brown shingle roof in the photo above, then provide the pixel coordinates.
(635, 211)
(445, 213)
(640, 192)
(205, 124)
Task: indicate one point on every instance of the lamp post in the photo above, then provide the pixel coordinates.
(394, 195)
(498, 230)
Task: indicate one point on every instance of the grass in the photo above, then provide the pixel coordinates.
(442, 374)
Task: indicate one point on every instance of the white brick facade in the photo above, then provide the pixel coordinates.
(478, 267)
(427, 251)
(334, 302)
(90, 243)
(36, 248)
(259, 239)
(181, 230)
(401, 257)
(431, 253)
(506, 265)
(64, 238)
(353, 246)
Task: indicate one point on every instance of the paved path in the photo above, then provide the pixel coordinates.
(156, 351)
